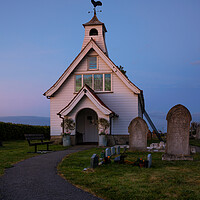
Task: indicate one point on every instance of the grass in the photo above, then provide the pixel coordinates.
(195, 142)
(165, 180)
(15, 151)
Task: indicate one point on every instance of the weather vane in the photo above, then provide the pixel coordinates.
(95, 4)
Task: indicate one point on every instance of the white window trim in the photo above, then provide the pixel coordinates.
(88, 63)
(103, 91)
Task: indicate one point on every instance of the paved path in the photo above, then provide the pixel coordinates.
(36, 179)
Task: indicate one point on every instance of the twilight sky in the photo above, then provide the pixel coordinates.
(156, 41)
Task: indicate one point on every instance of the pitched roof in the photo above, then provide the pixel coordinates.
(87, 91)
(95, 21)
(91, 45)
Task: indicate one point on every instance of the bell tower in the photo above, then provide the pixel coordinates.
(96, 30)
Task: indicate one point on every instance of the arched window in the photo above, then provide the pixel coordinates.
(93, 32)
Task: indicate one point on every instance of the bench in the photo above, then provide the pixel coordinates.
(32, 137)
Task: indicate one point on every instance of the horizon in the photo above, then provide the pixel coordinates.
(161, 39)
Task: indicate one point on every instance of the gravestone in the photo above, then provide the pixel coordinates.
(117, 150)
(178, 126)
(107, 152)
(94, 161)
(198, 133)
(149, 158)
(112, 151)
(138, 130)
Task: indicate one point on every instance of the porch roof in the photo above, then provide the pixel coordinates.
(89, 92)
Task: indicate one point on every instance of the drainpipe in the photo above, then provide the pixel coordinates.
(63, 122)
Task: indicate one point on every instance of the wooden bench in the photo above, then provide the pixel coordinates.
(32, 137)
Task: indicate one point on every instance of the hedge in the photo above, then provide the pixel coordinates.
(9, 131)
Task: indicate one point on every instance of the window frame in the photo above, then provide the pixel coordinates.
(88, 63)
(103, 91)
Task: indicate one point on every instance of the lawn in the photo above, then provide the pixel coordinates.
(15, 151)
(165, 180)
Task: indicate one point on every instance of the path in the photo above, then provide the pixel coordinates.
(36, 179)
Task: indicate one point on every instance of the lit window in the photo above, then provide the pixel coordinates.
(98, 82)
(92, 62)
(78, 82)
(107, 82)
(87, 79)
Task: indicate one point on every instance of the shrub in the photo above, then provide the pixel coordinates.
(9, 131)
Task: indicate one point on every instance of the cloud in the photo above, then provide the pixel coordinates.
(195, 62)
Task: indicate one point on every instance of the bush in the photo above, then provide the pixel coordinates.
(9, 131)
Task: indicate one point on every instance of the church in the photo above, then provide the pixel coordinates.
(93, 87)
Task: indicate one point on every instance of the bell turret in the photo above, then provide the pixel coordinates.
(96, 30)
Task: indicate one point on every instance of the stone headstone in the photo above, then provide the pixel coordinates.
(198, 133)
(117, 150)
(112, 151)
(149, 158)
(138, 130)
(178, 126)
(107, 152)
(94, 161)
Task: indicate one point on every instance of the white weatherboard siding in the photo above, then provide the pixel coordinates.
(66, 92)
(60, 99)
(86, 103)
(124, 103)
(83, 65)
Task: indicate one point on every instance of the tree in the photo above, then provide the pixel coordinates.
(193, 127)
(122, 70)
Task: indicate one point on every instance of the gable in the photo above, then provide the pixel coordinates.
(83, 65)
(86, 91)
(79, 58)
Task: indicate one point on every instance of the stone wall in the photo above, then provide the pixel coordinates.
(57, 139)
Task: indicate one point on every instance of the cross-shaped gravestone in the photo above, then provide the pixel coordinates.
(107, 152)
(112, 151)
(94, 161)
(149, 158)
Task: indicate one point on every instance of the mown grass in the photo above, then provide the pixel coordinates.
(165, 180)
(15, 151)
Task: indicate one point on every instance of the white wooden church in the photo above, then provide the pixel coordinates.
(93, 87)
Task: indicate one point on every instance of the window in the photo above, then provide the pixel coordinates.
(78, 82)
(98, 82)
(93, 32)
(92, 63)
(107, 82)
(87, 79)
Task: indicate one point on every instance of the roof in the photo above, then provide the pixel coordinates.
(95, 21)
(87, 91)
(91, 45)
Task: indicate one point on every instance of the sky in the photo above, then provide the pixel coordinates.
(156, 41)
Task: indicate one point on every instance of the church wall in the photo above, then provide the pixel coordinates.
(123, 102)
